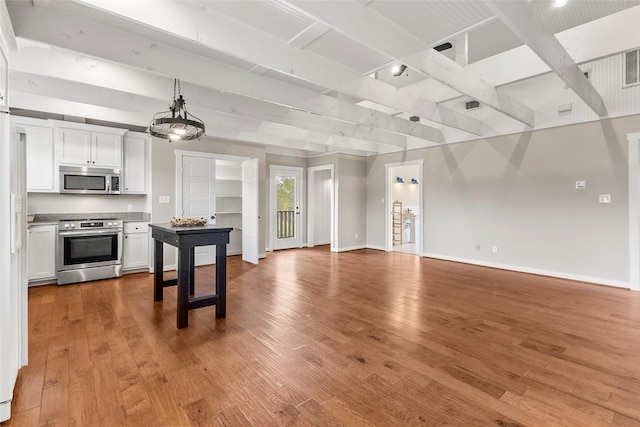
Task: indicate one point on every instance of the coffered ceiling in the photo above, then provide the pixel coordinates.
(313, 76)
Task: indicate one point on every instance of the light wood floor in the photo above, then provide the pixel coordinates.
(352, 339)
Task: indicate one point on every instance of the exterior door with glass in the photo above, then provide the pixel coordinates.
(286, 187)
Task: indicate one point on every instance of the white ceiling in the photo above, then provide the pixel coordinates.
(305, 75)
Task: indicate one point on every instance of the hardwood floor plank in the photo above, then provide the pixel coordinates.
(311, 337)
(232, 417)
(83, 397)
(54, 409)
(169, 411)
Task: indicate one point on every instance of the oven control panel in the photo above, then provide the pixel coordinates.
(89, 224)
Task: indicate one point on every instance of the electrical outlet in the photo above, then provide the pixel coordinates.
(164, 199)
(129, 207)
(478, 247)
(604, 198)
(494, 249)
(356, 235)
(382, 200)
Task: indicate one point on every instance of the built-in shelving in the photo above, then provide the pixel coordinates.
(229, 202)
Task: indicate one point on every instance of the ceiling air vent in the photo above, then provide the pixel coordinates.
(631, 67)
(443, 46)
(471, 105)
(414, 118)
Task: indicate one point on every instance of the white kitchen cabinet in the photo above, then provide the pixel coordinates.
(89, 148)
(40, 154)
(134, 172)
(106, 149)
(41, 245)
(135, 251)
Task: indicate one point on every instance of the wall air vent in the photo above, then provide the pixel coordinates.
(632, 67)
(471, 105)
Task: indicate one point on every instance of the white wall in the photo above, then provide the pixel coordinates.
(351, 196)
(518, 192)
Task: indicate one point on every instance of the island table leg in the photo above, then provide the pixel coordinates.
(185, 256)
(158, 273)
(221, 280)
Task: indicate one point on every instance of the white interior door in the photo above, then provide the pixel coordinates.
(286, 188)
(199, 198)
(250, 211)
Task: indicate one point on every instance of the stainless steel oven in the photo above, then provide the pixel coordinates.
(89, 250)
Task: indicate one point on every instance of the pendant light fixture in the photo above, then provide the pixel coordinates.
(176, 124)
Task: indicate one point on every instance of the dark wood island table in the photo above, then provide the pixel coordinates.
(186, 239)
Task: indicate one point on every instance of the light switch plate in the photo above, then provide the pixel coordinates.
(164, 199)
(581, 185)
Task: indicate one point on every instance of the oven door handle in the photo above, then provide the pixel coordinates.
(89, 233)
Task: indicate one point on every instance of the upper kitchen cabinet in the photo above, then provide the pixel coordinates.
(87, 145)
(135, 158)
(40, 154)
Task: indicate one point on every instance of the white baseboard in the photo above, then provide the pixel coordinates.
(376, 247)
(262, 255)
(170, 267)
(540, 272)
(351, 248)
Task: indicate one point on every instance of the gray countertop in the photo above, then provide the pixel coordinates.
(53, 218)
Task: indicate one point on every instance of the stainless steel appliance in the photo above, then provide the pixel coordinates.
(83, 180)
(89, 250)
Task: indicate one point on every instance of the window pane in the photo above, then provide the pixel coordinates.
(286, 199)
(631, 67)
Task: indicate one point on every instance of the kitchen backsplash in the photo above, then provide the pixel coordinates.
(38, 203)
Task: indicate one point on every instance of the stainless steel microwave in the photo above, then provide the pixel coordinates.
(83, 180)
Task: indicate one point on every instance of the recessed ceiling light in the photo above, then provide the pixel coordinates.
(559, 3)
(398, 70)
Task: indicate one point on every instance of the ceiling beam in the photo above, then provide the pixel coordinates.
(378, 33)
(150, 55)
(515, 14)
(99, 75)
(398, 99)
(213, 30)
(218, 125)
(451, 74)
(146, 103)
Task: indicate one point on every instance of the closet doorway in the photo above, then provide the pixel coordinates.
(321, 220)
(404, 207)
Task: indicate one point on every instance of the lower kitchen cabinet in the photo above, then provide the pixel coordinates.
(41, 245)
(135, 250)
